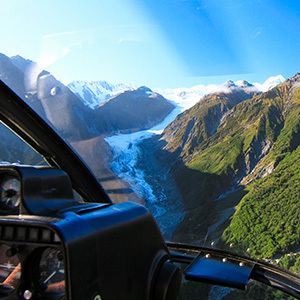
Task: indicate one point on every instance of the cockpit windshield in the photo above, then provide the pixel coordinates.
(189, 107)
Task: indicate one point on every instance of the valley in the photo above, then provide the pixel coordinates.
(217, 166)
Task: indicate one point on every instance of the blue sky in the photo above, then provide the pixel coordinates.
(158, 43)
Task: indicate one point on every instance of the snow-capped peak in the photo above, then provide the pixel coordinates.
(187, 97)
(243, 83)
(95, 92)
(230, 84)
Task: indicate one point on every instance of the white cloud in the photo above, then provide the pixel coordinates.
(187, 97)
(269, 83)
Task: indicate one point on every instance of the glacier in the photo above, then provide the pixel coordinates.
(125, 155)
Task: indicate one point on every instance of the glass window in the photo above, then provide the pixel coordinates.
(188, 107)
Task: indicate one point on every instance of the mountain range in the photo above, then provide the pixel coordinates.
(73, 116)
(83, 127)
(219, 152)
(92, 93)
(235, 158)
(187, 97)
(234, 154)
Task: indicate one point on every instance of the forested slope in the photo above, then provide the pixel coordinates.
(242, 186)
(268, 217)
(252, 156)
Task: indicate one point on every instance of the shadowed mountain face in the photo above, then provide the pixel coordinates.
(132, 111)
(63, 109)
(47, 96)
(12, 148)
(12, 75)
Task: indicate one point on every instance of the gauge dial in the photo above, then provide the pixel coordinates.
(51, 279)
(10, 270)
(10, 192)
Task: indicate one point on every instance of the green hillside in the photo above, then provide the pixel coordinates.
(197, 124)
(269, 213)
(245, 136)
(241, 185)
(268, 217)
(250, 161)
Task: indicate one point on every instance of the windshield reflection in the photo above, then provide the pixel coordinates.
(198, 119)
